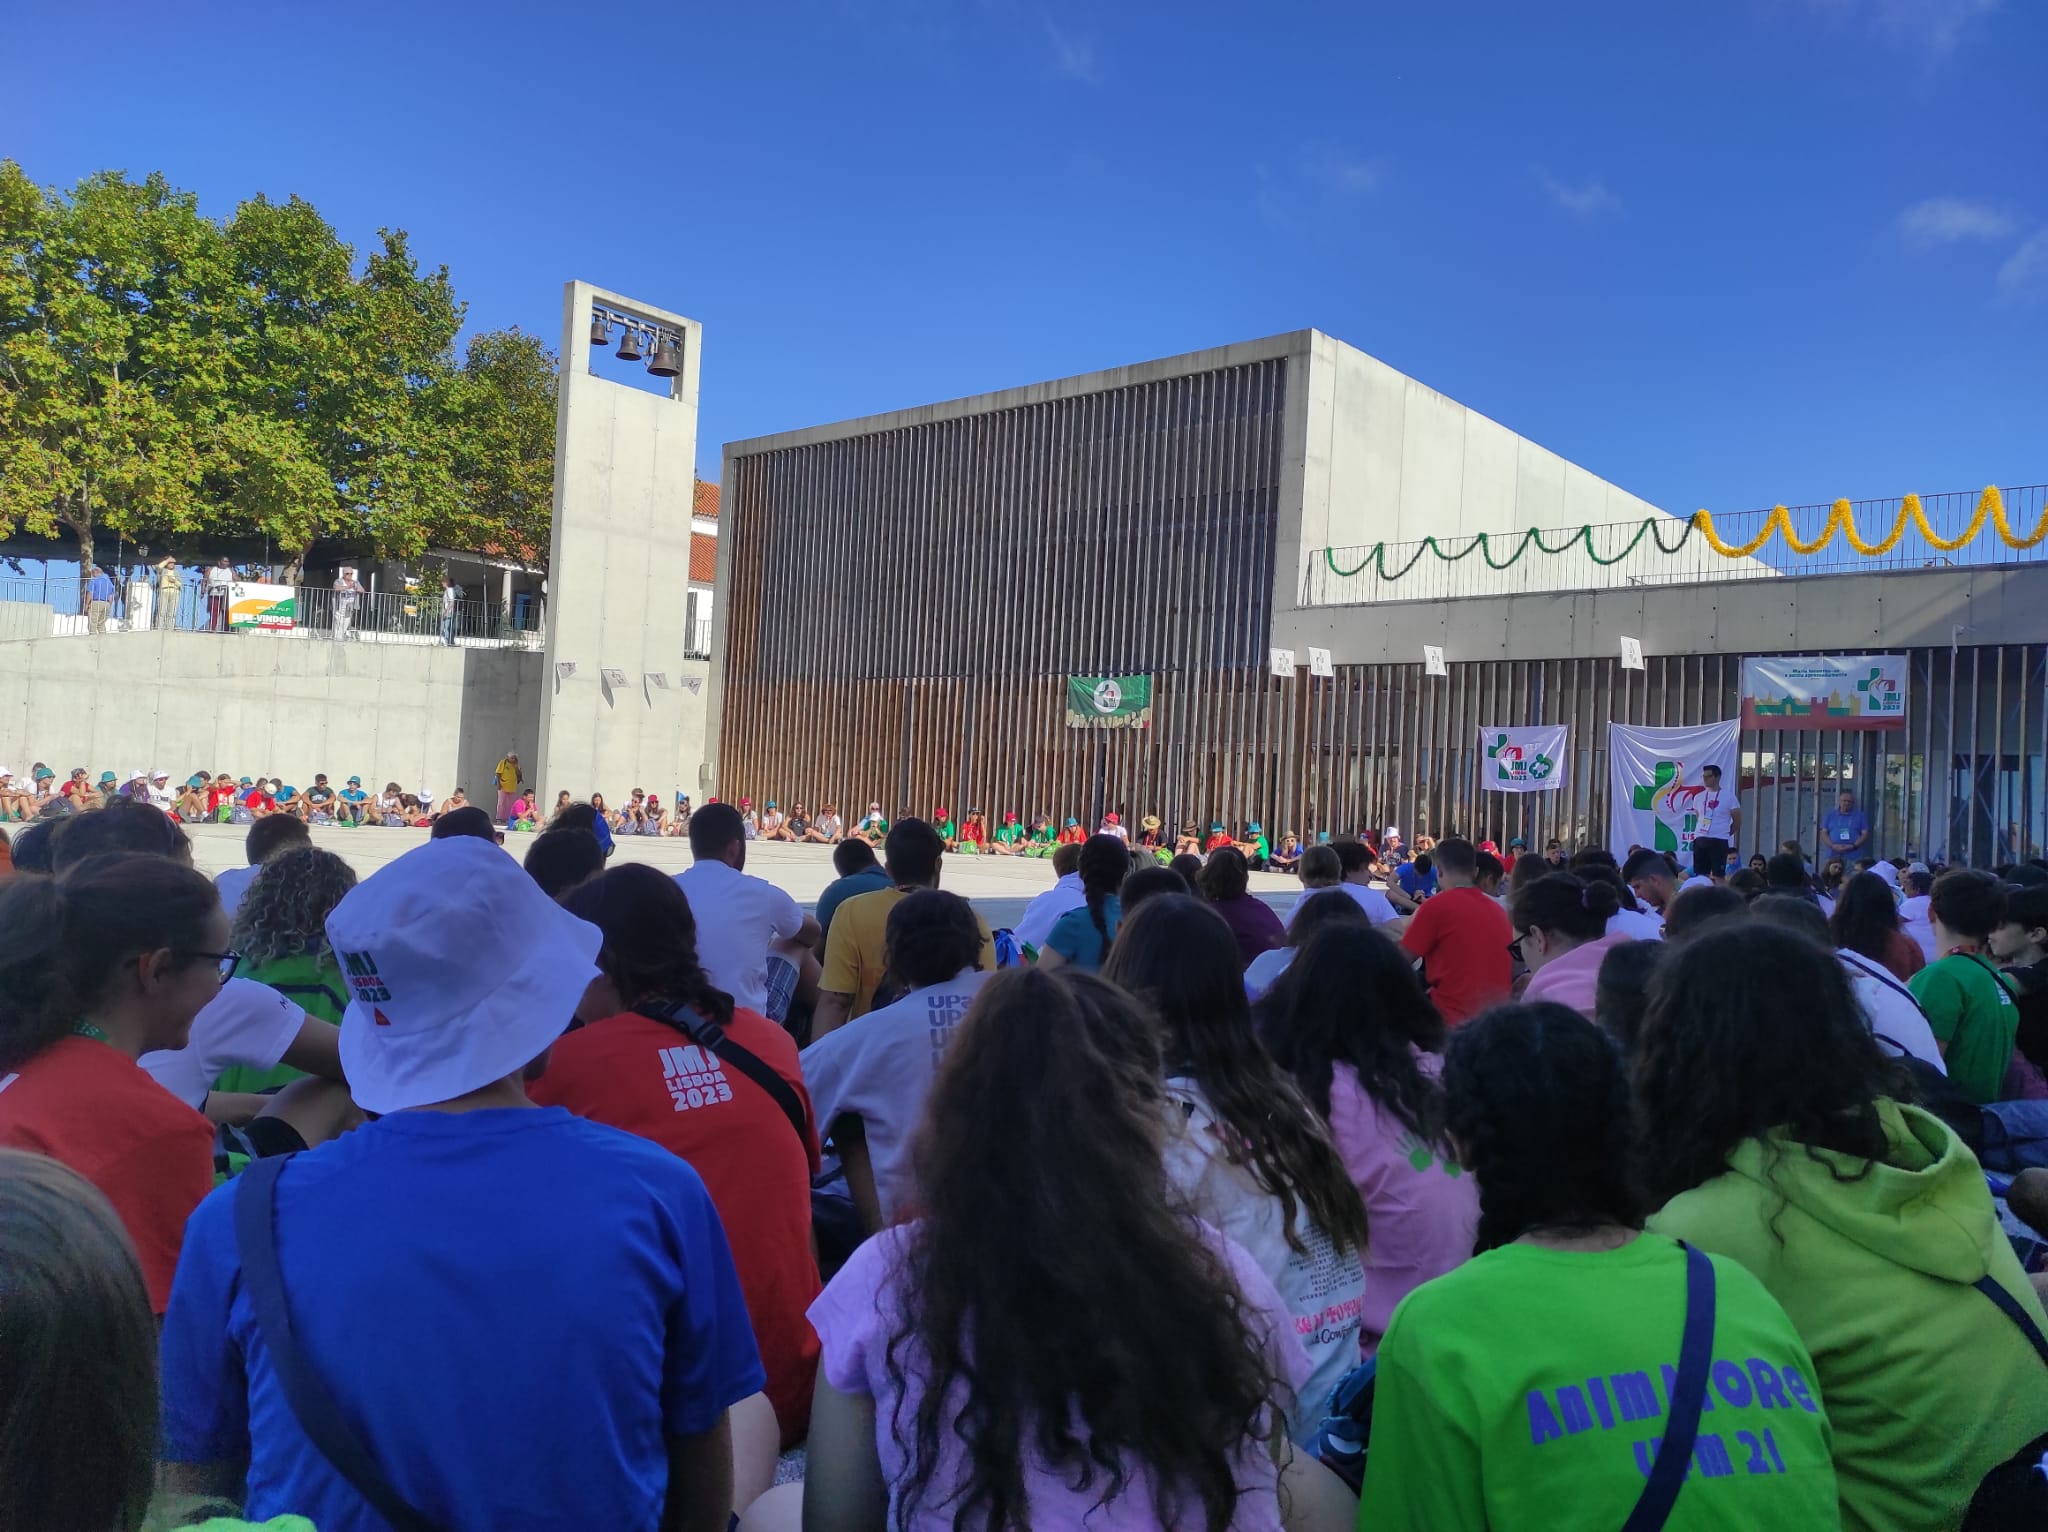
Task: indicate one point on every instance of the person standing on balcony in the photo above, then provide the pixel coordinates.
(450, 594)
(170, 591)
(348, 590)
(218, 579)
(99, 600)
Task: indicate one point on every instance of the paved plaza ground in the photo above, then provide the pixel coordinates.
(999, 887)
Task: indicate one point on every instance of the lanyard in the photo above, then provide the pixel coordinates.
(87, 1029)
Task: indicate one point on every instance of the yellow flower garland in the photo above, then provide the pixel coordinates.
(1990, 505)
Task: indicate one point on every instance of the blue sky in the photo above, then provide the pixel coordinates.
(1722, 254)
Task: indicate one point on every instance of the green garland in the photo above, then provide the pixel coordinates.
(1482, 543)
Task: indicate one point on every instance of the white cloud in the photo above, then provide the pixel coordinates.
(2025, 272)
(1587, 201)
(1934, 25)
(1072, 56)
(1336, 170)
(1951, 220)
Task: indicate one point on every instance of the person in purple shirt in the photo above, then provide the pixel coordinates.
(1226, 881)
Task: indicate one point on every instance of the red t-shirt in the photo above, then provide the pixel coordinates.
(1462, 938)
(1073, 835)
(216, 796)
(90, 1106)
(972, 831)
(642, 1075)
(1218, 842)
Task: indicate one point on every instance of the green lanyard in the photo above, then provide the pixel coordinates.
(87, 1029)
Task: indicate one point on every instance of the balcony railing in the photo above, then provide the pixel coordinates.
(1960, 530)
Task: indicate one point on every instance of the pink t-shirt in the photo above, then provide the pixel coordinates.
(860, 1310)
(1422, 1210)
(1574, 978)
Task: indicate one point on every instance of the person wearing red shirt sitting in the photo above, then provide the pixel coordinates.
(1071, 834)
(640, 1064)
(257, 799)
(1461, 936)
(1218, 837)
(99, 966)
(973, 840)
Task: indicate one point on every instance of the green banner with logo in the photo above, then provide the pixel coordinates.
(1109, 702)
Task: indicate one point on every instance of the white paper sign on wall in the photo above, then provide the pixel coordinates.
(1283, 664)
(1319, 663)
(1433, 660)
(1632, 653)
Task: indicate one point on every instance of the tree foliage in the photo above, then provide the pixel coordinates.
(164, 374)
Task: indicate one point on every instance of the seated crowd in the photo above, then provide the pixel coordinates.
(1523, 1192)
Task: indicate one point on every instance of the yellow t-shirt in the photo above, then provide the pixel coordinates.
(854, 961)
(508, 777)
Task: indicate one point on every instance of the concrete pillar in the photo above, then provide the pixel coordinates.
(618, 568)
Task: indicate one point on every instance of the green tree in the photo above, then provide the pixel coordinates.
(112, 356)
(504, 448)
(340, 414)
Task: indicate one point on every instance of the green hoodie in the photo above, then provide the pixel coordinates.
(1928, 1386)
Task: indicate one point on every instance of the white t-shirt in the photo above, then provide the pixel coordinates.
(1717, 813)
(1324, 1290)
(738, 919)
(232, 885)
(1916, 921)
(880, 1069)
(448, 598)
(1695, 881)
(218, 578)
(1043, 913)
(1636, 925)
(1118, 831)
(1265, 970)
(246, 1023)
(161, 797)
(1894, 1016)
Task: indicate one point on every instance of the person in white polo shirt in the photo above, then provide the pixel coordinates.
(739, 918)
(1720, 822)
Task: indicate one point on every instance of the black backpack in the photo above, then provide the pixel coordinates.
(2013, 1497)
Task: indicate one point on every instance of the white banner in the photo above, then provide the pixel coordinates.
(1654, 787)
(1522, 759)
(1810, 691)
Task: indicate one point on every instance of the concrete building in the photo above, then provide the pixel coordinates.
(619, 707)
(901, 599)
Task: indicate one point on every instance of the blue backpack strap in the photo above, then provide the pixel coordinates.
(2016, 1313)
(1688, 1397)
(311, 1404)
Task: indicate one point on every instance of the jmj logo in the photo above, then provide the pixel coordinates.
(1880, 693)
(1511, 763)
(694, 1078)
(363, 978)
(1672, 803)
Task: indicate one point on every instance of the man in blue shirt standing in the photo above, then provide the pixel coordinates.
(99, 600)
(1847, 828)
(523, 1317)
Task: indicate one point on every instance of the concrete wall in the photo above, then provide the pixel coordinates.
(619, 568)
(1839, 612)
(183, 702)
(1387, 459)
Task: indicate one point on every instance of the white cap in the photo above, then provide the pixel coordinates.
(5, 772)
(1391, 832)
(426, 795)
(137, 775)
(441, 1004)
(159, 775)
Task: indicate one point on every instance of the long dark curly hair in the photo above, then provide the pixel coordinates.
(1537, 1100)
(1032, 1216)
(284, 911)
(1752, 1029)
(1351, 996)
(1177, 956)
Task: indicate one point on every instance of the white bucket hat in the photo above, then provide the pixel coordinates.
(441, 1002)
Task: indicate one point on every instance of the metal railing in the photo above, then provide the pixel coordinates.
(1674, 550)
(318, 612)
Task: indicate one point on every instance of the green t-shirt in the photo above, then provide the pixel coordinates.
(1260, 849)
(1527, 1389)
(1973, 1016)
(1009, 835)
(311, 981)
(945, 829)
(1042, 836)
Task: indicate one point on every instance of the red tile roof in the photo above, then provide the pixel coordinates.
(703, 554)
(706, 501)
